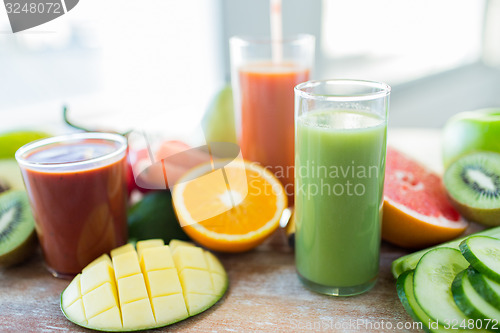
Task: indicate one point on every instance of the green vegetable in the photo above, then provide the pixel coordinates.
(469, 301)
(407, 298)
(432, 282)
(487, 288)
(154, 217)
(410, 261)
(483, 253)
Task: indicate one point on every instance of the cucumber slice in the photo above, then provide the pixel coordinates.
(487, 288)
(432, 284)
(404, 286)
(483, 253)
(470, 302)
(410, 261)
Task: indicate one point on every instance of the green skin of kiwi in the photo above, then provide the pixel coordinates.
(23, 248)
(486, 216)
(148, 327)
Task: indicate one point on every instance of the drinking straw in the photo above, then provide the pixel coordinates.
(276, 31)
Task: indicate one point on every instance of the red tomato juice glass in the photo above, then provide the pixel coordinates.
(76, 185)
(263, 83)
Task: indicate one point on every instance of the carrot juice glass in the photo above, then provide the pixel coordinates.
(263, 74)
(76, 185)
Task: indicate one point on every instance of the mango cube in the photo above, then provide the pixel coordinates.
(99, 300)
(214, 264)
(162, 287)
(156, 258)
(77, 311)
(72, 292)
(122, 249)
(146, 244)
(132, 288)
(218, 282)
(138, 314)
(196, 281)
(96, 276)
(175, 243)
(104, 258)
(196, 303)
(163, 282)
(107, 320)
(169, 309)
(126, 264)
(190, 257)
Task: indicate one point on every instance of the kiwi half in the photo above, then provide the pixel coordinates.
(10, 175)
(473, 185)
(17, 228)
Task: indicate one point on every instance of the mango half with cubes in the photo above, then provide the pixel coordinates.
(153, 286)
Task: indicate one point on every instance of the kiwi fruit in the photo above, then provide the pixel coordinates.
(10, 175)
(473, 186)
(17, 228)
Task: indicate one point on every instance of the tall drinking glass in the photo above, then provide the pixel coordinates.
(263, 83)
(340, 132)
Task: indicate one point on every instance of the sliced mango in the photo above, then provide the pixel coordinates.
(155, 286)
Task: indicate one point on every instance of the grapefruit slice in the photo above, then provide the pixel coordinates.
(417, 212)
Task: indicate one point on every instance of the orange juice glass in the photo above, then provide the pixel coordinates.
(263, 75)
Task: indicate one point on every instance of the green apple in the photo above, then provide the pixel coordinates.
(468, 132)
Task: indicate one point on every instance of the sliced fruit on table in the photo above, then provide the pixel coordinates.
(11, 141)
(153, 289)
(473, 185)
(432, 280)
(483, 253)
(10, 175)
(487, 288)
(17, 228)
(410, 261)
(154, 217)
(416, 210)
(250, 206)
(470, 301)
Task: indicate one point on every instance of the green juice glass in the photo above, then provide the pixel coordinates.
(340, 149)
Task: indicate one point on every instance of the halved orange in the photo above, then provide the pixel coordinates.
(230, 206)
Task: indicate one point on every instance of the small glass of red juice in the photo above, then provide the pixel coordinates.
(77, 189)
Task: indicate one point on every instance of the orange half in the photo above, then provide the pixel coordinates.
(231, 206)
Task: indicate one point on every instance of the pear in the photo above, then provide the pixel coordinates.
(218, 123)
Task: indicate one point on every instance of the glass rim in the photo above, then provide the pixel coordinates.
(245, 40)
(21, 159)
(384, 90)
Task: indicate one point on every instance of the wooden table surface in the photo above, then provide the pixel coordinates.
(265, 294)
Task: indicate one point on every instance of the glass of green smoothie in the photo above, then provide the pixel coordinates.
(340, 149)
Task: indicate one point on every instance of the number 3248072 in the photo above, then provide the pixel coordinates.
(34, 7)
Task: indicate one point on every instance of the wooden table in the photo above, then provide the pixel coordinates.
(265, 294)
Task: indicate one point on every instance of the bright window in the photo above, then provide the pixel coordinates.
(400, 40)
